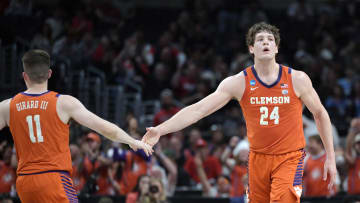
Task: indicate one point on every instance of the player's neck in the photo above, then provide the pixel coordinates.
(36, 88)
(265, 67)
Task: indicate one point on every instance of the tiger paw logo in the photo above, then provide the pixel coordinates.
(298, 190)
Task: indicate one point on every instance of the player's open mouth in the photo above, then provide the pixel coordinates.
(266, 49)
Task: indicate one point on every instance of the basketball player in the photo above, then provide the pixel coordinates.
(271, 97)
(39, 123)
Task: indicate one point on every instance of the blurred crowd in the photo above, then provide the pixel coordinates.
(199, 47)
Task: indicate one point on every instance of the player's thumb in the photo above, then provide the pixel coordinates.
(325, 173)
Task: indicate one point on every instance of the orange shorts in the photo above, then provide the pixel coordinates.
(46, 187)
(275, 178)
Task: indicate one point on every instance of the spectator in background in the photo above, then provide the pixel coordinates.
(338, 107)
(7, 168)
(185, 80)
(218, 141)
(56, 23)
(133, 127)
(79, 174)
(128, 166)
(191, 147)
(314, 185)
(158, 81)
(300, 11)
(164, 169)
(211, 164)
(352, 156)
(140, 191)
(310, 129)
(174, 150)
(100, 165)
(227, 155)
(239, 176)
(168, 107)
(157, 192)
(219, 188)
(43, 39)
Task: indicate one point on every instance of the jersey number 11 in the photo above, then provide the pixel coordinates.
(29, 120)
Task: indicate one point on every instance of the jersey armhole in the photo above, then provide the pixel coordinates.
(246, 78)
(291, 83)
(57, 113)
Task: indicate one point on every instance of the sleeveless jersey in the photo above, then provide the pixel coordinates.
(273, 113)
(41, 138)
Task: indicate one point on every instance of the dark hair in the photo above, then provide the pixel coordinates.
(137, 187)
(260, 27)
(36, 64)
(316, 138)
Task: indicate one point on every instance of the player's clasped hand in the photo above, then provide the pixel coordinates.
(137, 144)
(151, 136)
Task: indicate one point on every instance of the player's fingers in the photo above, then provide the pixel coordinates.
(325, 173)
(332, 180)
(150, 150)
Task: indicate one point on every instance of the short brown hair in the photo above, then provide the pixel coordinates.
(36, 64)
(259, 27)
(316, 138)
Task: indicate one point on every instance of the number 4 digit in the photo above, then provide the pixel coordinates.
(275, 115)
(29, 120)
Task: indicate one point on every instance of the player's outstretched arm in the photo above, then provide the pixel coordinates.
(229, 88)
(4, 113)
(306, 92)
(70, 107)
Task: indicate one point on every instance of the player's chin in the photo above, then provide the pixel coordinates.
(266, 57)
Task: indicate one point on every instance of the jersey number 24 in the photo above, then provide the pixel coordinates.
(264, 114)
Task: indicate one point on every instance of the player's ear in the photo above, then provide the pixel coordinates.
(49, 73)
(251, 49)
(25, 76)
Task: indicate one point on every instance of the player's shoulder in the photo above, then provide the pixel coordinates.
(67, 101)
(299, 76)
(234, 80)
(5, 103)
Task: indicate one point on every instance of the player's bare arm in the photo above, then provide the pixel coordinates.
(229, 88)
(4, 113)
(304, 89)
(69, 107)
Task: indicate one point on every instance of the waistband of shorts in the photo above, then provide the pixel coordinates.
(51, 171)
(299, 150)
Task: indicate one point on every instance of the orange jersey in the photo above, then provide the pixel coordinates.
(41, 138)
(313, 178)
(354, 178)
(273, 113)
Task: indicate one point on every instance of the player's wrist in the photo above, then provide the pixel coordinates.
(160, 130)
(330, 156)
